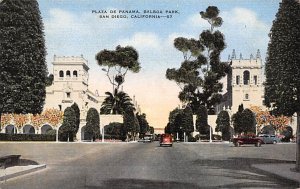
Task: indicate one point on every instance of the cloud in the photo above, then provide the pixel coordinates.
(244, 22)
(142, 40)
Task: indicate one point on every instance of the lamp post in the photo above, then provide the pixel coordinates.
(57, 134)
(210, 140)
(102, 134)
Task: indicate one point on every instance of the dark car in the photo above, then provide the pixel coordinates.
(269, 139)
(166, 140)
(241, 140)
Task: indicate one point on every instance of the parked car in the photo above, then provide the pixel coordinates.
(166, 139)
(148, 138)
(241, 140)
(269, 139)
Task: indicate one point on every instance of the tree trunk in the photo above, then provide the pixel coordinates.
(298, 143)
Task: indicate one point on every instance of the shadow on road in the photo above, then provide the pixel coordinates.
(25, 162)
(240, 168)
(143, 184)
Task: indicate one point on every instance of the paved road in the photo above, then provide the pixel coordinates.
(139, 165)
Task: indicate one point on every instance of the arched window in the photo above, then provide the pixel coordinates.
(237, 79)
(74, 73)
(246, 96)
(68, 74)
(246, 77)
(61, 73)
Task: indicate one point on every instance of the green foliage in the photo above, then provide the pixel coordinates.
(115, 130)
(144, 125)
(201, 71)
(27, 137)
(92, 127)
(130, 122)
(187, 120)
(248, 121)
(151, 130)
(201, 121)
(49, 80)
(22, 57)
(118, 62)
(237, 120)
(68, 126)
(168, 129)
(180, 121)
(77, 114)
(116, 103)
(223, 124)
(282, 86)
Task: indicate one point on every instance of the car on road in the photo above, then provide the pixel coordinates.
(269, 139)
(242, 140)
(146, 138)
(166, 140)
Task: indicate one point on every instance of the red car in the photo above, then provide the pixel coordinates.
(166, 139)
(247, 140)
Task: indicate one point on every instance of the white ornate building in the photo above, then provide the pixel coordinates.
(70, 85)
(244, 83)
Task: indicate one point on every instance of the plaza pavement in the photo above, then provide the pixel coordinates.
(278, 170)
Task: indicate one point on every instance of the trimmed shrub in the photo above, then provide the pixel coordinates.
(26, 137)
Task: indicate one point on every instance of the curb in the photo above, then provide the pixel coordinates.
(16, 171)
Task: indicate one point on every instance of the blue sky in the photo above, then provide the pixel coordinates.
(71, 29)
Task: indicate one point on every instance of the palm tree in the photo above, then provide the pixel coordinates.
(116, 103)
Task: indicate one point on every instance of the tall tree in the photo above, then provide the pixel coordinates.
(93, 124)
(23, 69)
(118, 62)
(187, 121)
(77, 114)
(282, 86)
(202, 121)
(171, 127)
(237, 120)
(69, 125)
(248, 121)
(223, 124)
(144, 125)
(131, 123)
(200, 72)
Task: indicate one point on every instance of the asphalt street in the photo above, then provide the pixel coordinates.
(146, 165)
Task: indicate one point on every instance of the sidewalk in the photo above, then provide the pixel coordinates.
(15, 171)
(280, 170)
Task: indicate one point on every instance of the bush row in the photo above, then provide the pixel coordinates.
(26, 137)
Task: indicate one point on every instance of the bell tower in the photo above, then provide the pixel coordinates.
(245, 82)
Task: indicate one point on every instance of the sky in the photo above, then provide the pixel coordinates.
(74, 28)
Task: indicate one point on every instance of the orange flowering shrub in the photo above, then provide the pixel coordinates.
(280, 122)
(20, 119)
(53, 116)
(5, 119)
(263, 117)
(37, 120)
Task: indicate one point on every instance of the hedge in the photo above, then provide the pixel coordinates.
(26, 137)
